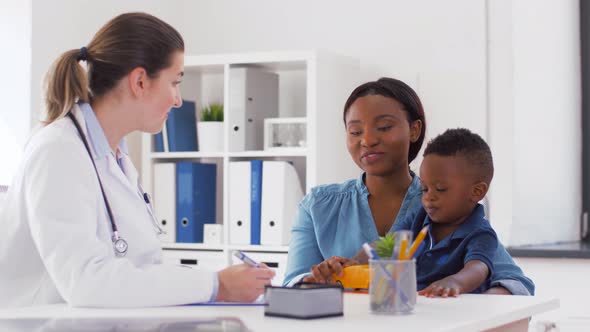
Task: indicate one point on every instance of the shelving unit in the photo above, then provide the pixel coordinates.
(312, 85)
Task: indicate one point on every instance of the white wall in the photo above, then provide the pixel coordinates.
(437, 47)
(500, 112)
(428, 44)
(15, 63)
(495, 67)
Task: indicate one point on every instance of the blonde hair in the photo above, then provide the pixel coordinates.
(65, 84)
(126, 42)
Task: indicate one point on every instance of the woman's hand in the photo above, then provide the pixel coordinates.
(444, 288)
(322, 273)
(242, 283)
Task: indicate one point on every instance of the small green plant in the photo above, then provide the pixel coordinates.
(384, 246)
(212, 112)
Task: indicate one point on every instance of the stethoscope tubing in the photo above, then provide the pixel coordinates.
(119, 244)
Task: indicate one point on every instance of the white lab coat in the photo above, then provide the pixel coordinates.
(56, 235)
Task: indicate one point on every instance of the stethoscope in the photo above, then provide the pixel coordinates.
(119, 244)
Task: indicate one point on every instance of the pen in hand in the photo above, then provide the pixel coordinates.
(241, 256)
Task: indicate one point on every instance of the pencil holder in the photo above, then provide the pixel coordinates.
(402, 240)
(392, 287)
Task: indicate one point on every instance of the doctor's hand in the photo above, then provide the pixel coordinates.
(242, 283)
(322, 273)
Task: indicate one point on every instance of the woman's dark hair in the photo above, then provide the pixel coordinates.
(126, 42)
(400, 91)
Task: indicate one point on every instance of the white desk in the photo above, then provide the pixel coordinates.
(465, 313)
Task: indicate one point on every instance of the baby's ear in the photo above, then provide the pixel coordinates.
(479, 191)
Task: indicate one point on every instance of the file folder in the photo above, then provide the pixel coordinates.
(159, 142)
(255, 200)
(182, 128)
(254, 96)
(239, 202)
(196, 199)
(281, 194)
(165, 199)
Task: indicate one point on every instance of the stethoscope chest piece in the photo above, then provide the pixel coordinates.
(120, 246)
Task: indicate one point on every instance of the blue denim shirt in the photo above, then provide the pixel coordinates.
(335, 220)
(473, 240)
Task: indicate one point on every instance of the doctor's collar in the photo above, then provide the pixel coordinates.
(96, 135)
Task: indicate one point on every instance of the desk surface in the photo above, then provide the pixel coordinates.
(465, 313)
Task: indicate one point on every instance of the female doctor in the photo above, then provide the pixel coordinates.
(75, 225)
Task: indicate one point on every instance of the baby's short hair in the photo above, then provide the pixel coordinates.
(462, 142)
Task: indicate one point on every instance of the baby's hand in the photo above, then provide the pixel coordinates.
(444, 288)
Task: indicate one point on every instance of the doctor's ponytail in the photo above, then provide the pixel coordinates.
(65, 84)
(126, 42)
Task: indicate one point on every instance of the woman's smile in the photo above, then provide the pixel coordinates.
(372, 157)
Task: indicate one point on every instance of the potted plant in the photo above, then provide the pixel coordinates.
(210, 128)
(357, 276)
(385, 246)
